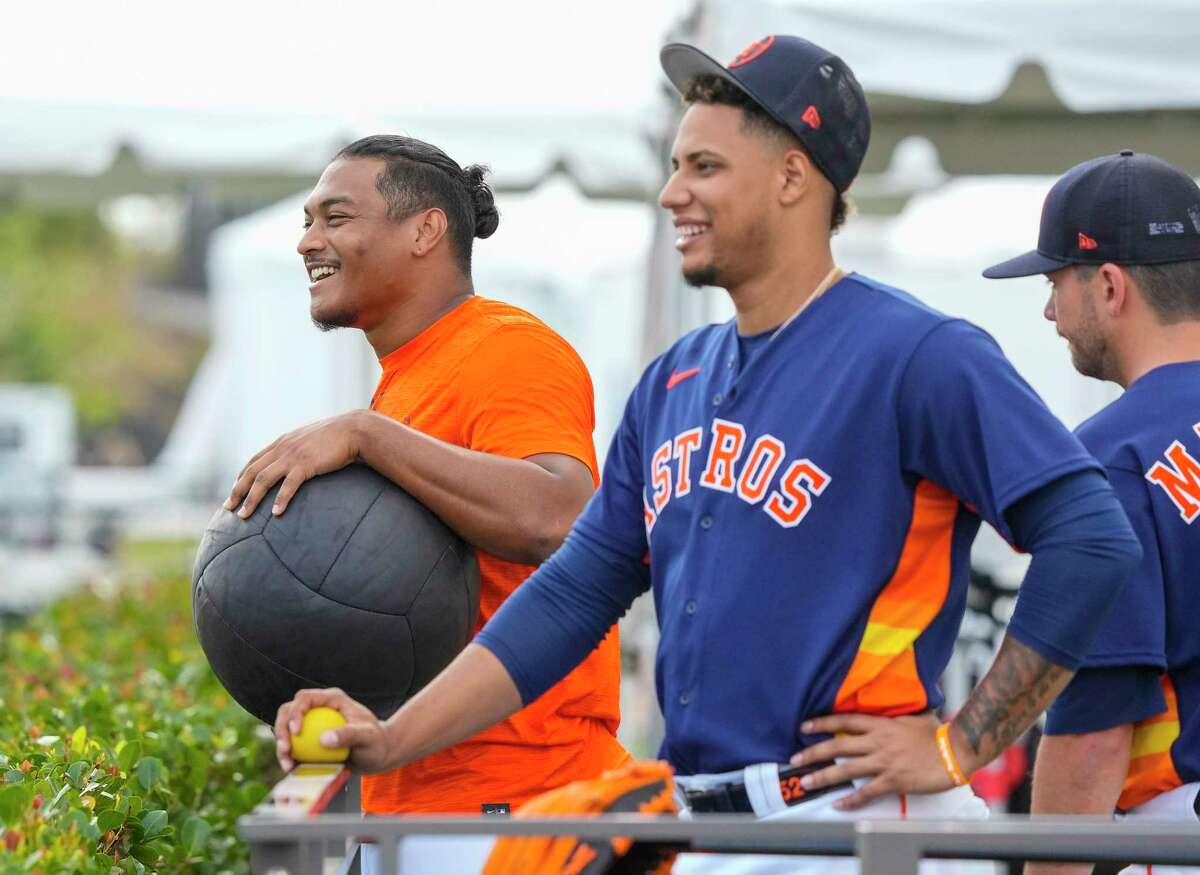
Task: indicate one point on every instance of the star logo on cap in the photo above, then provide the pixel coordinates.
(752, 51)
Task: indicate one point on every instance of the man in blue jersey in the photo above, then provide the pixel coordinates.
(1120, 245)
(799, 488)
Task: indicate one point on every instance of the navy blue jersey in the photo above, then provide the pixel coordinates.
(1149, 441)
(808, 518)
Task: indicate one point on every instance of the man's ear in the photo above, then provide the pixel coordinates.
(430, 226)
(1114, 289)
(799, 176)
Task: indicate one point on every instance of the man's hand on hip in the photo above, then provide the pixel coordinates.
(898, 754)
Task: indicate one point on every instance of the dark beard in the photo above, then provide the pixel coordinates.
(1092, 362)
(703, 276)
(344, 319)
(1090, 353)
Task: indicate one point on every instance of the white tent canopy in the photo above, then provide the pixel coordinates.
(606, 153)
(575, 263)
(1097, 54)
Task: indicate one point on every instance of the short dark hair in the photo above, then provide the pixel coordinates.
(715, 90)
(417, 176)
(1172, 290)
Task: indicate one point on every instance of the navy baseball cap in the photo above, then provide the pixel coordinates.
(1120, 209)
(807, 89)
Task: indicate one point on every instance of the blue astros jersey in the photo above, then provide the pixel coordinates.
(1149, 441)
(808, 518)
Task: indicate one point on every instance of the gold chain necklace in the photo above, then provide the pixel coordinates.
(824, 285)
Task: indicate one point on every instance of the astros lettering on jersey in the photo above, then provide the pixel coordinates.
(786, 505)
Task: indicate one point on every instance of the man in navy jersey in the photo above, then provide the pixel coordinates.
(799, 488)
(1120, 245)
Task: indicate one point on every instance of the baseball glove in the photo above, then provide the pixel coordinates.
(646, 787)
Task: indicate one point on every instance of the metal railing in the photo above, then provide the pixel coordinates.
(883, 847)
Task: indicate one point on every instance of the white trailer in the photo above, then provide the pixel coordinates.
(37, 449)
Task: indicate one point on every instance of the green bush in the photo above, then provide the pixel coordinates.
(119, 751)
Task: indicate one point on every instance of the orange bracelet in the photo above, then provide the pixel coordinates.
(947, 754)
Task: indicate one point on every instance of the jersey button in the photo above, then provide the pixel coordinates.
(717, 400)
(706, 522)
(684, 698)
(690, 607)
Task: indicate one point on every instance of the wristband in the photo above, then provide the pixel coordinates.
(947, 755)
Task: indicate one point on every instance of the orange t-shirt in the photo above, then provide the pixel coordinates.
(490, 377)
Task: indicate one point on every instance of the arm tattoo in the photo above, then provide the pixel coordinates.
(1017, 688)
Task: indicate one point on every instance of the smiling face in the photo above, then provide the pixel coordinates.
(720, 195)
(1073, 308)
(357, 258)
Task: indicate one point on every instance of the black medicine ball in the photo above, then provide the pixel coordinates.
(356, 585)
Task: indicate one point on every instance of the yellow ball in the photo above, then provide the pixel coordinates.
(306, 748)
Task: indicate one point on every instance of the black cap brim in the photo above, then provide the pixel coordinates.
(683, 63)
(1030, 264)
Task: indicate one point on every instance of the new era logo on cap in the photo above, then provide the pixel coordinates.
(811, 117)
(1133, 207)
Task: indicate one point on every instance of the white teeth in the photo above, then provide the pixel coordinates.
(687, 232)
(319, 273)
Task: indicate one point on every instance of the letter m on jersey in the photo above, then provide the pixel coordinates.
(1179, 477)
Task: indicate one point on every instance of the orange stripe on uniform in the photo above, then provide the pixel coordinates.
(883, 678)
(1151, 769)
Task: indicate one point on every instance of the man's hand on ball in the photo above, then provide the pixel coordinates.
(299, 455)
(363, 733)
(898, 754)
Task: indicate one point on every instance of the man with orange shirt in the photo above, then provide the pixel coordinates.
(482, 413)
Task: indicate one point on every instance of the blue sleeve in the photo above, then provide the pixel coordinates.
(1136, 631)
(558, 616)
(1119, 682)
(1097, 699)
(1083, 551)
(969, 423)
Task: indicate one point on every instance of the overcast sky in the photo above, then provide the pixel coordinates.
(344, 57)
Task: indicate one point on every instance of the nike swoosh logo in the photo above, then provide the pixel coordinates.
(678, 377)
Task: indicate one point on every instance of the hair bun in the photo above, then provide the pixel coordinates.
(487, 217)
